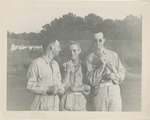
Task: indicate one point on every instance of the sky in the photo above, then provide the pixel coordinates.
(31, 18)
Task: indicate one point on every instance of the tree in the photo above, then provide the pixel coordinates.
(133, 32)
(133, 27)
(93, 19)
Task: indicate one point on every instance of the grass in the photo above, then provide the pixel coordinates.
(19, 99)
(131, 92)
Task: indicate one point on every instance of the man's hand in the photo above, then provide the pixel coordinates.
(69, 66)
(103, 59)
(51, 90)
(97, 63)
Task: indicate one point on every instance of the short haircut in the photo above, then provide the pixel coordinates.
(76, 43)
(96, 32)
(47, 42)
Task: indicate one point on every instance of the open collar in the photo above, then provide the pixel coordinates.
(104, 52)
(47, 60)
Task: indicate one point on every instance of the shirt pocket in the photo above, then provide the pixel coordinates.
(79, 78)
(43, 80)
(43, 76)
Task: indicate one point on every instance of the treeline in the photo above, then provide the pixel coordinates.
(123, 36)
(72, 27)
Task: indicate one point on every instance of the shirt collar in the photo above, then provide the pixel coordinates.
(104, 52)
(47, 60)
(79, 63)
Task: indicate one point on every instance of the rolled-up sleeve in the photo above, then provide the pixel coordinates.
(120, 75)
(60, 86)
(32, 76)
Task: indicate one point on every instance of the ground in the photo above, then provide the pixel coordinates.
(19, 99)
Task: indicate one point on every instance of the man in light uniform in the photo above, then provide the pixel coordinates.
(75, 82)
(105, 72)
(44, 78)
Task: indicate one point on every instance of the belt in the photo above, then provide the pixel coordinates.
(105, 84)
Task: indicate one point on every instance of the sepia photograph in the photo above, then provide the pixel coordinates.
(74, 56)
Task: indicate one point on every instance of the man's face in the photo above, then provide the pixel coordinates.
(75, 51)
(56, 48)
(99, 40)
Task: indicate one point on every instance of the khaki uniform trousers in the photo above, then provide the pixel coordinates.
(108, 98)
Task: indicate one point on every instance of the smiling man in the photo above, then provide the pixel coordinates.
(75, 82)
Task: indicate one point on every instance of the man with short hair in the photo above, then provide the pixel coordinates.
(105, 72)
(75, 82)
(44, 78)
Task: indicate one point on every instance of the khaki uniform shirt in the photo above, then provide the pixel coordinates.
(105, 92)
(42, 74)
(101, 74)
(75, 101)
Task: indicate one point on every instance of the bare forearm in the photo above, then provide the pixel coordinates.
(66, 78)
(37, 90)
(117, 77)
